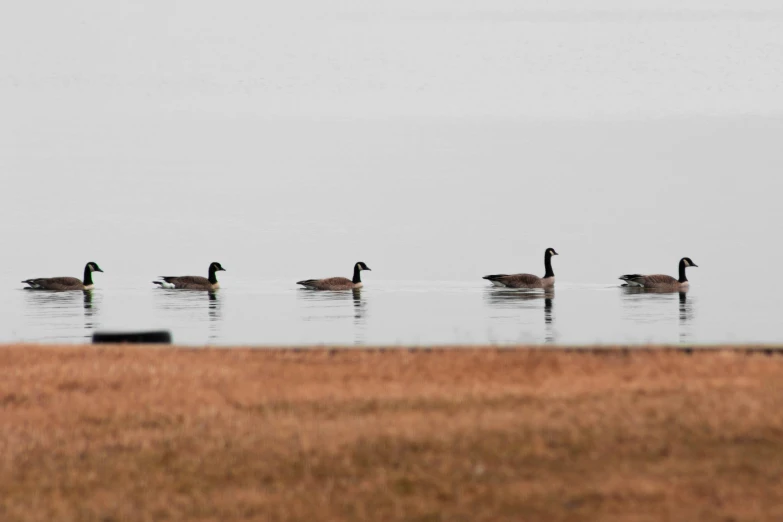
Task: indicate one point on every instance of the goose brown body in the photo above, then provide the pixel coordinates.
(661, 281)
(337, 283)
(65, 283)
(527, 280)
(193, 282)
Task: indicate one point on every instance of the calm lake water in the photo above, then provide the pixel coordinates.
(437, 142)
(392, 313)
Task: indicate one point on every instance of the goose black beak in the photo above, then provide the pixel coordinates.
(697, 266)
(221, 269)
(368, 268)
(97, 270)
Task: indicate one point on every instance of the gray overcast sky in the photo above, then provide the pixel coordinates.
(357, 59)
(189, 127)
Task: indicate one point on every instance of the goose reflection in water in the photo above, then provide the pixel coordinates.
(358, 305)
(187, 299)
(196, 301)
(685, 305)
(66, 308)
(686, 314)
(334, 300)
(510, 298)
(90, 312)
(358, 317)
(518, 299)
(330, 305)
(215, 315)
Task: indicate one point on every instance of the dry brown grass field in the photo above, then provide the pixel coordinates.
(152, 434)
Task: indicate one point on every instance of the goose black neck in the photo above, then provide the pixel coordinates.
(682, 278)
(212, 275)
(357, 275)
(87, 276)
(548, 265)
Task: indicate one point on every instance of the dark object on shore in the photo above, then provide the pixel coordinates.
(151, 337)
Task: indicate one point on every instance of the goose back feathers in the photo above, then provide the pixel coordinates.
(65, 283)
(337, 283)
(193, 282)
(527, 280)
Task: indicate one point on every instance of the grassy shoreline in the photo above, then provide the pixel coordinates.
(127, 433)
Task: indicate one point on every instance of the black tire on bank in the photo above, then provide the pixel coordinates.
(153, 337)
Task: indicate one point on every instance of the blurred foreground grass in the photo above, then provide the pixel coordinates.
(151, 434)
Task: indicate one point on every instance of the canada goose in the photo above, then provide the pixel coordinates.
(193, 282)
(660, 281)
(65, 283)
(527, 280)
(337, 283)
